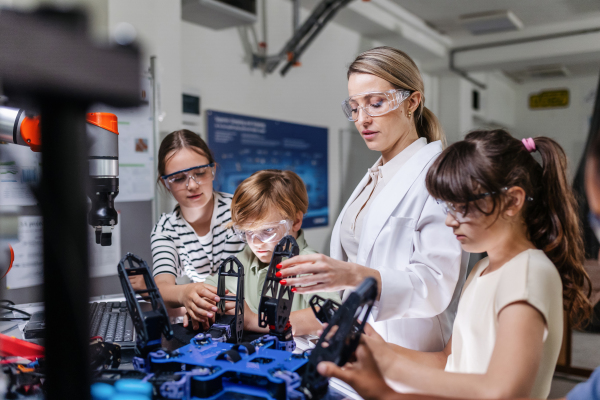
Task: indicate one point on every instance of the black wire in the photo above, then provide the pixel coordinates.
(9, 308)
(12, 303)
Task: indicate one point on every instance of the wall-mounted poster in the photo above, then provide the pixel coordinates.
(243, 145)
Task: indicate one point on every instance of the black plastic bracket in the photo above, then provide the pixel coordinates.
(276, 300)
(151, 324)
(323, 309)
(337, 345)
(232, 267)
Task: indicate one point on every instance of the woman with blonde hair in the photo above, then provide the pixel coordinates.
(391, 228)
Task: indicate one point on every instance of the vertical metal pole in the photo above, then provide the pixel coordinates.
(156, 203)
(264, 20)
(64, 207)
(296, 15)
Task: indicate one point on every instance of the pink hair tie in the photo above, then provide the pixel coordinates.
(529, 144)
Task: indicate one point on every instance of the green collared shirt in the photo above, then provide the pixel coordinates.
(255, 273)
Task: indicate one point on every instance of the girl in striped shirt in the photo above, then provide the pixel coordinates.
(193, 239)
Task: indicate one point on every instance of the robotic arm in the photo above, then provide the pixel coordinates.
(102, 130)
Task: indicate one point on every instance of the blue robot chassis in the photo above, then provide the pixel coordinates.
(216, 370)
(210, 369)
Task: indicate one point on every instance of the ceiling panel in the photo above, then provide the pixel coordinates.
(443, 15)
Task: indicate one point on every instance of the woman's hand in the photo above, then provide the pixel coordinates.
(324, 274)
(363, 375)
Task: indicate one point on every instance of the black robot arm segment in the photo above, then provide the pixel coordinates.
(230, 327)
(323, 309)
(149, 325)
(337, 347)
(276, 300)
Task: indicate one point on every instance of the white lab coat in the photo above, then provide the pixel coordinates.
(421, 263)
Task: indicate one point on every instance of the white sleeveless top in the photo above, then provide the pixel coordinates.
(531, 277)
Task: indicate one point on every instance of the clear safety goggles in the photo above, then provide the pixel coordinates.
(460, 211)
(180, 180)
(268, 233)
(376, 103)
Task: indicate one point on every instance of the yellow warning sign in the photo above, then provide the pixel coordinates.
(549, 99)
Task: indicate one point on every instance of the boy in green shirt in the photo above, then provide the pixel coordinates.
(266, 207)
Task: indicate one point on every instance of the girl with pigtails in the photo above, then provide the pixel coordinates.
(509, 325)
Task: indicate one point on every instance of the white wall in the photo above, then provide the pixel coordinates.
(569, 126)
(456, 114)
(213, 62)
(157, 23)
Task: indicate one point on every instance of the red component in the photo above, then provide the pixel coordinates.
(12, 260)
(13, 347)
(297, 64)
(106, 121)
(288, 326)
(290, 56)
(31, 134)
(272, 327)
(263, 45)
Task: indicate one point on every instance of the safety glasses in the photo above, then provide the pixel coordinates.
(375, 104)
(459, 211)
(462, 213)
(268, 233)
(180, 180)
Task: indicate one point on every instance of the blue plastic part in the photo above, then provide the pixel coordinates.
(288, 345)
(158, 354)
(133, 386)
(119, 396)
(227, 334)
(270, 341)
(102, 391)
(139, 364)
(175, 389)
(267, 373)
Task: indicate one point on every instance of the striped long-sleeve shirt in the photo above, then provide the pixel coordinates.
(177, 249)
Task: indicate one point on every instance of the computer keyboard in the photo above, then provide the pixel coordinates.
(112, 322)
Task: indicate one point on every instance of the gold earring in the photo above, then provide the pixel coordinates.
(409, 113)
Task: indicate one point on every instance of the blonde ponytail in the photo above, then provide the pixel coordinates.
(429, 127)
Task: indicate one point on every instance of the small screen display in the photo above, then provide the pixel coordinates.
(191, 104)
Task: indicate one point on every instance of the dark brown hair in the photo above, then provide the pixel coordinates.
(269, 189)
(487, 161)
(400, 71)
(176, 141)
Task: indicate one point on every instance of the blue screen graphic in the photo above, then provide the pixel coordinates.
(243, 145)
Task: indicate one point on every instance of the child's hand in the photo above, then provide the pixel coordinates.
(137, 282)
(372, 333)
(363, 375)
(199, 301)
(230, 308)
(196, 324)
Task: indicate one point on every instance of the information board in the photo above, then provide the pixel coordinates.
(243, 145)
